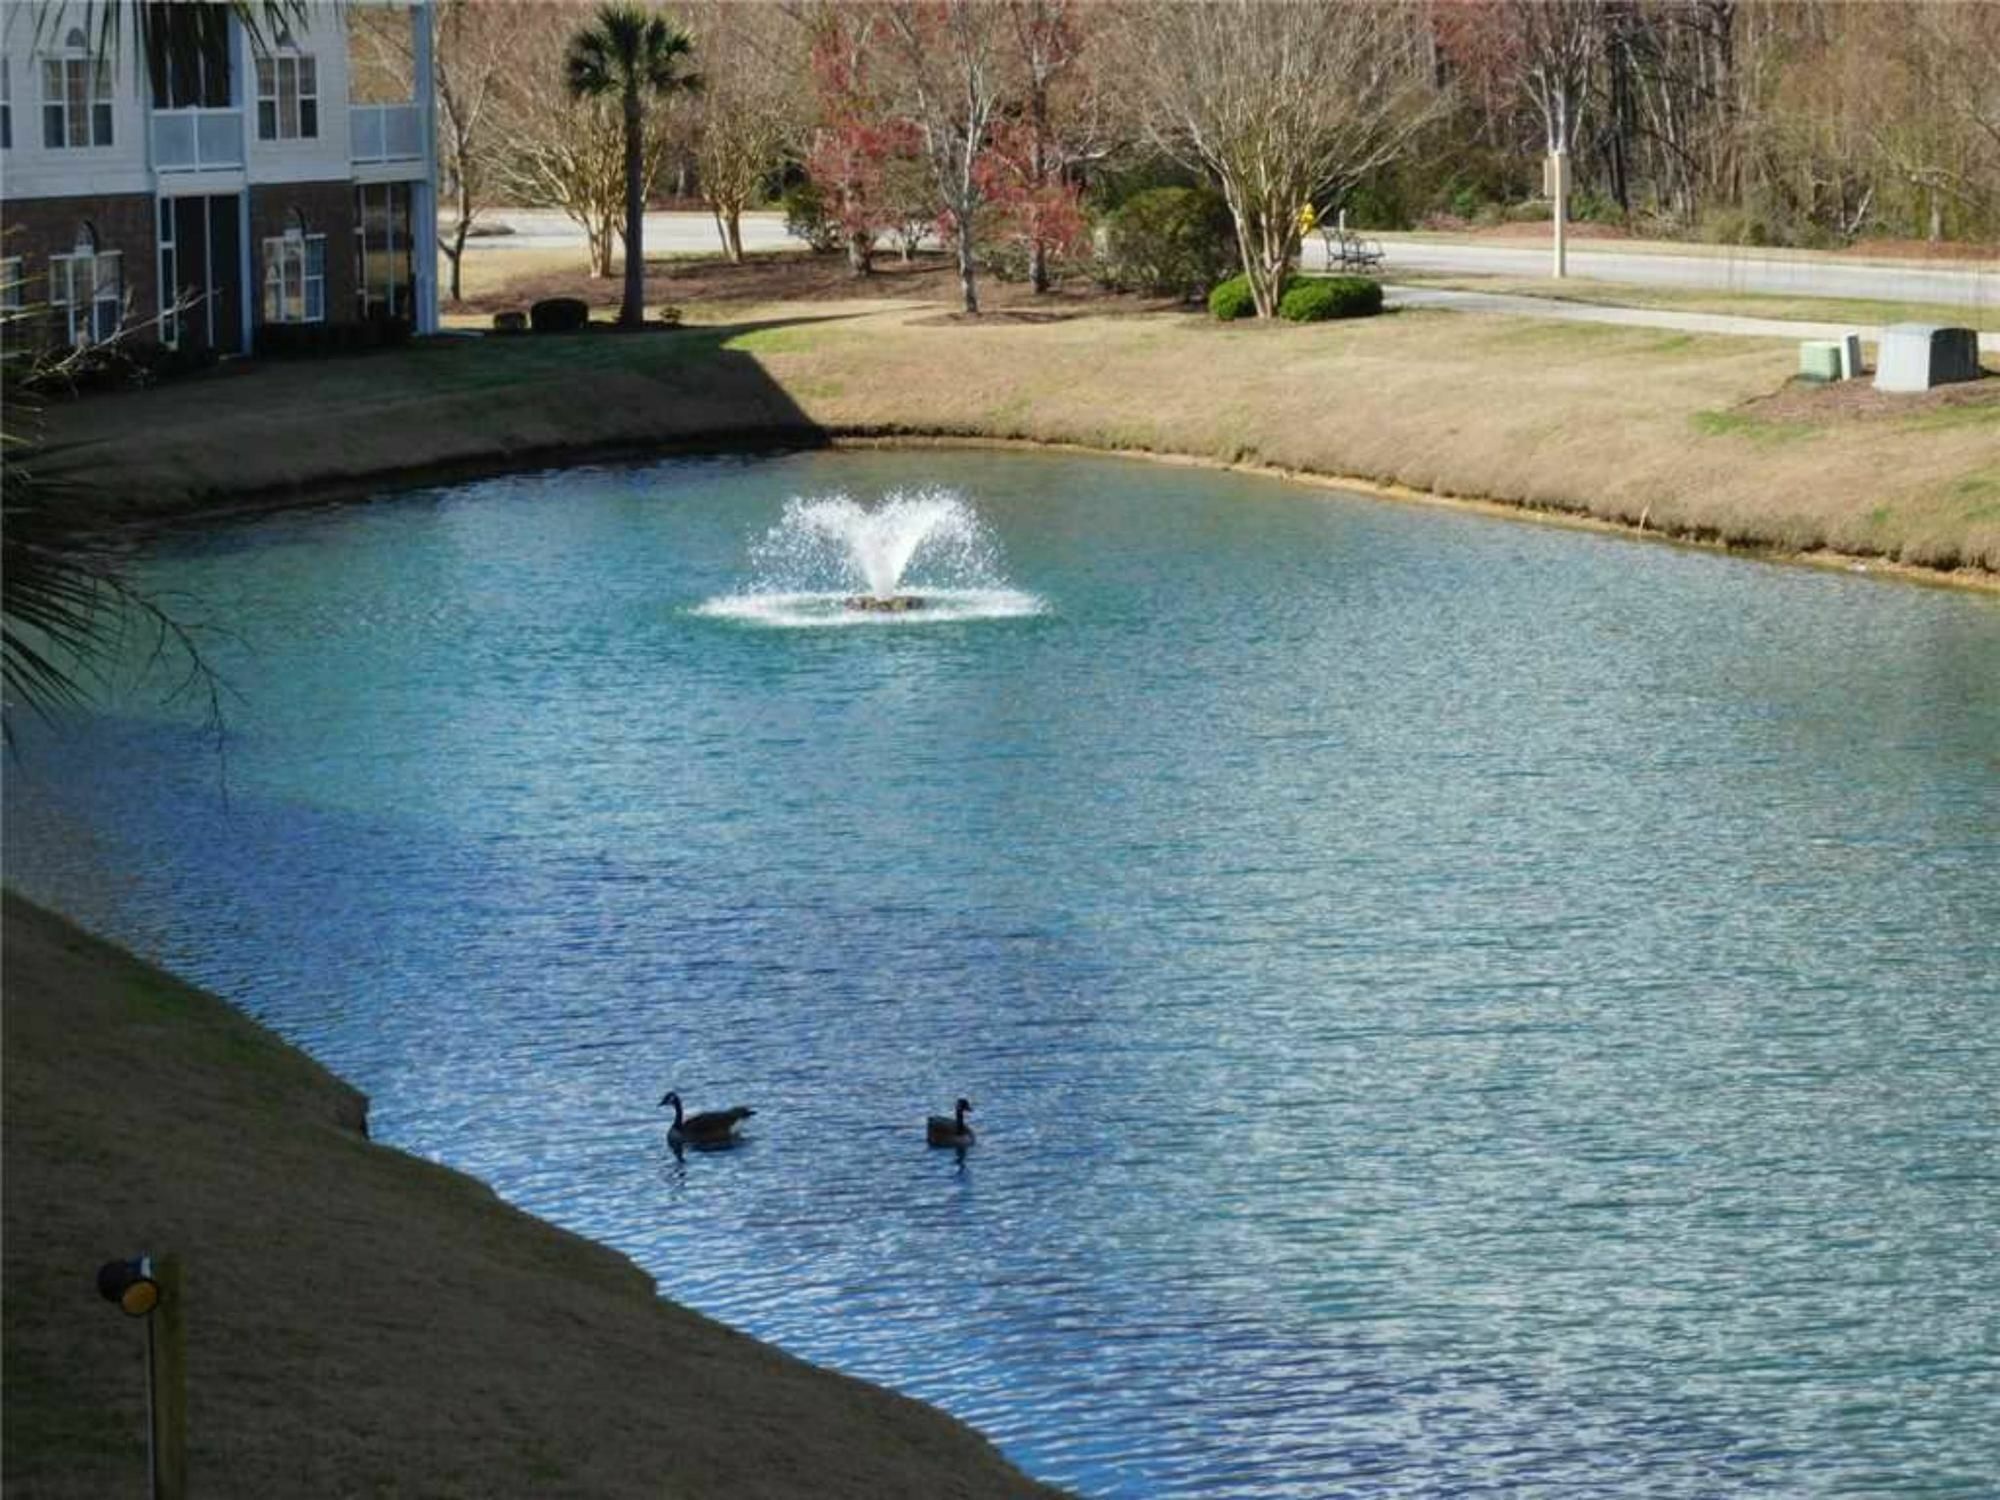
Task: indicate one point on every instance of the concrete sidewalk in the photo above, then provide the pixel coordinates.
(1515, 305)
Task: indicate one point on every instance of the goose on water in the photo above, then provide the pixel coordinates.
(951, 1129)
(716, 1127)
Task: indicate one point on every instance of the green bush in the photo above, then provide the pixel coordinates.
(1169, 242)
(1315, 299)
(559, 314)
(1231, 299)
(808, 218)
(318, 340)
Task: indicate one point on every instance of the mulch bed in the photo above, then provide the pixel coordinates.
(793, 276)
(1810, 401)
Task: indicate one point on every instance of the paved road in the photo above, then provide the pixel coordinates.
(1965, 284)
(666, 233)
(1960, 285)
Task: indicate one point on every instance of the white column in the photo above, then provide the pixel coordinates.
(423, 197)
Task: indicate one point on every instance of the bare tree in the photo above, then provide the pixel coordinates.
(749, 116)
(1284, 104)
(949, 77)
(562, 153)
(473, 50)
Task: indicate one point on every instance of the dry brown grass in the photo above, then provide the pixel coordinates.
(1641, 427)
(360, 1323)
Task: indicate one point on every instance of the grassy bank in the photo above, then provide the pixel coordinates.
(1680, 434)
(360, 1322)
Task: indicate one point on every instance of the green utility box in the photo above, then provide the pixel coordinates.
(1819, 359)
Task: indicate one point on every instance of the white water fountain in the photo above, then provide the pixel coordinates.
(832, 560)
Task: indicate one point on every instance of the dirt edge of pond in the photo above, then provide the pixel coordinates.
(360, 1321)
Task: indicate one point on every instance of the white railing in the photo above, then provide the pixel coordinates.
(197, 140)
(386, 132)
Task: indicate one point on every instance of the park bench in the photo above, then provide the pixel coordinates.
(1350, 252)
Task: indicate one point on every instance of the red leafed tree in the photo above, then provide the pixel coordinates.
(855, 136)
(1030, 204)
(1056, 123)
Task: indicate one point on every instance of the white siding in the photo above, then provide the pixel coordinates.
(325, 158)
(30, 170)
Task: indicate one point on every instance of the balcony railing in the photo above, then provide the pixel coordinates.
(386, 132)
(197, 140)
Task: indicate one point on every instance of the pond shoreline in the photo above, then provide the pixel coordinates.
(386, 483)
(1614, 429)
(358, 1317)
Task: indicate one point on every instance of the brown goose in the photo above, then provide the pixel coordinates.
(715, 1128)
(951, 1129)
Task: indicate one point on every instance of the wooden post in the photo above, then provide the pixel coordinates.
(167, 1362)
(1558, 174)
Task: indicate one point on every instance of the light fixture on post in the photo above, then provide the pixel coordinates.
(130, 1284)
(138, 1290)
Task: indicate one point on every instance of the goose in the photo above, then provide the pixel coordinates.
(715, 1128)
(951, 1129)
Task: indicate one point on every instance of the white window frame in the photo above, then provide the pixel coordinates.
(168, 242)
(274, 70)
(295, 277)
(104, 312)
(97, 94)
(13, 283)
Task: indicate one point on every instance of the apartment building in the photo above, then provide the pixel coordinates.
(255, 181)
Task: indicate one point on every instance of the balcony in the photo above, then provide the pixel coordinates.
(197, 140)
(386, 132)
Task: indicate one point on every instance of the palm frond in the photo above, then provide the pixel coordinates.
(163, 36)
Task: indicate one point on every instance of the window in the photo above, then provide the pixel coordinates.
(170, 280)
(13, 279)
(87, 291)
(295, 276)
(386, 284)
(287, 98)
(76, 98)
(6, 104)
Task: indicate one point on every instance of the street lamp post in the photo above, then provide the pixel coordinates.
(155, 1291)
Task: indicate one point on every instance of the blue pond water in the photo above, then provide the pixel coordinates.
(1453, 1008)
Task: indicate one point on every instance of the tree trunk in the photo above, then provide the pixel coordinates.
(633, 312)
(455, 251)
(1038, 250)
(968, 287)
(858, 248)
(732, 235)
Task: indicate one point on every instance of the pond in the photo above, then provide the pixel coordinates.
(1450, 1006)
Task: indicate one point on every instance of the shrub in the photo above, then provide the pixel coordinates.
(670, 316)
(559, 314)
(1004, 260)
(1315, 299)
(1168, 241)
(318, 340)
(808, 218)
(1231, 299)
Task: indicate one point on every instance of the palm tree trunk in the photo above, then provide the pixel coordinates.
(633, 313)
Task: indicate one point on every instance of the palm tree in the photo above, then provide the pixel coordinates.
(631, 53)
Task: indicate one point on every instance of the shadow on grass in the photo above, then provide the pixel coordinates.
(282, 431)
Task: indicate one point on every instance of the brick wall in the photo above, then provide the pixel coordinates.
(36, 228)
(328, 209)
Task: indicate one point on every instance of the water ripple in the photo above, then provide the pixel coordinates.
(1452, 1009)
